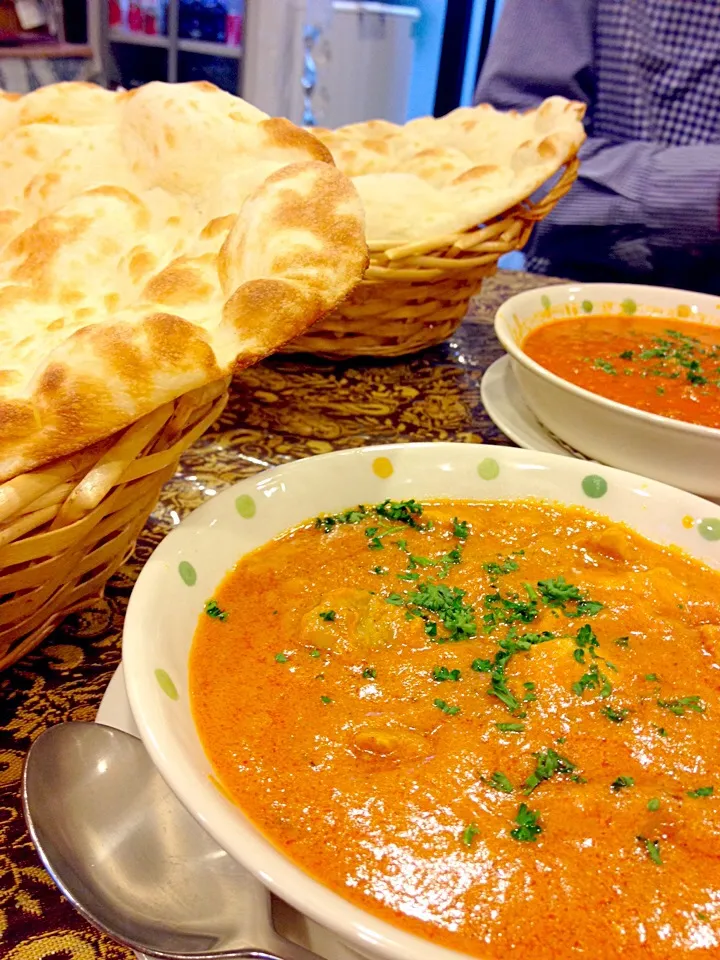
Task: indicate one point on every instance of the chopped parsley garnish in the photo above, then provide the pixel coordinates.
(593, 680)
(527, 829)
(501, 782)
(653, 804)
(701, 792)
(281, 658)
(622, 642)
(586, 642)
(213, 610)
(547, 765)
(369, 673)
(605, 365)
(446, 708)
(376, 534)
(448, 560)
(510, 727)
(500, 567)
(652, 677)
(469, 834)
(401, 511)
(558, 593)
(442, 673)
(481, 666)
(415, 561)
(619, 783)
(653, 849)
(530, 591)
(315, 653)
(408, 576)
(460, 529)
(379, 570)
(585, 608)
(615, 715)
(447, 603)
(508, 647)
(326, 523)
(672, 355)
(327, 615)
(395, 599)
(506, 611)
(681, 704)
(326, 700)
(662, 732)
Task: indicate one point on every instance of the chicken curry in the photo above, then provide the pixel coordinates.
(494, 724)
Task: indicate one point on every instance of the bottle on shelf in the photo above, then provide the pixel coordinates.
(153, 15)
(234, 23)
(115, 14)
(135, 17)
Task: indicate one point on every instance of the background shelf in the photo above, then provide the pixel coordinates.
(184, 57)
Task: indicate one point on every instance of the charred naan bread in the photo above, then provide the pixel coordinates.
(150, 242)
(438, 176)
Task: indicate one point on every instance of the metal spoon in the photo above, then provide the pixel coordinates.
(131, 859)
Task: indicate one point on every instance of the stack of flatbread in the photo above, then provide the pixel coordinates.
(433, 177)
(149, 242)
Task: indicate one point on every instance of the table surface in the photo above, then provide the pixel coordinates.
(281, 410)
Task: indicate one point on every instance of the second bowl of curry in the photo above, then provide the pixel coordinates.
(628, 375)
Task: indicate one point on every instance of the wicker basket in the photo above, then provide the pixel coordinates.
(67, 527)
(416, 295)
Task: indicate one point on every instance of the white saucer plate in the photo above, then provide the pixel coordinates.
(504, 404)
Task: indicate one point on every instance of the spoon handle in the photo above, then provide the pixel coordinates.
(286, 951)
(290, 951)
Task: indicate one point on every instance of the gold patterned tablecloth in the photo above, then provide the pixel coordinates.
(281, 410)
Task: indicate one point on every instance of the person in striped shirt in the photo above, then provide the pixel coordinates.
(645, 208)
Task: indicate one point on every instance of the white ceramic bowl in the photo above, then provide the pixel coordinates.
(187, 566)
(683, 454)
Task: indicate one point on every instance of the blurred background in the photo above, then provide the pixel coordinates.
(327, 62)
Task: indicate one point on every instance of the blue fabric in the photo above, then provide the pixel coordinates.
(646, 203)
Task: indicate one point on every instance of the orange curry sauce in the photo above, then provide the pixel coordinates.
(663, 366)
(496, 725)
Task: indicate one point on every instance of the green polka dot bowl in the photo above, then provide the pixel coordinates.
(683, 454)
(181, 576)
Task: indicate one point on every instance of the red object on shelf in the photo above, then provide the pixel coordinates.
(135, 17)
(115, 14)
(234, 26)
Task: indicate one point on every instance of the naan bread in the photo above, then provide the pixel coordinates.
(150, 242)
(433, 177)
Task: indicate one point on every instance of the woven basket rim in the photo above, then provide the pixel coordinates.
(525, 209)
